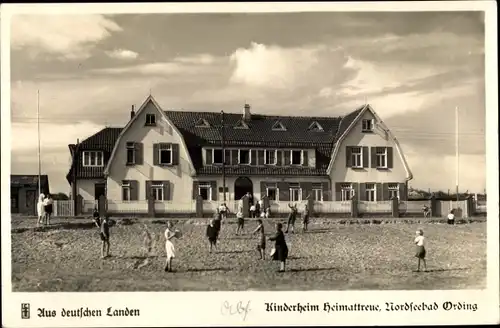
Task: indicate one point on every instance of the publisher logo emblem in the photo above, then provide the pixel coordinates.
(25, 311)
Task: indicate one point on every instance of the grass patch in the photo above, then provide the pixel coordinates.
(332, 256)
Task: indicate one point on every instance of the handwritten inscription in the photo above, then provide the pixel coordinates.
(240, 308)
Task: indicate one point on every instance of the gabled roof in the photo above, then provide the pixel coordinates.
(30, 181)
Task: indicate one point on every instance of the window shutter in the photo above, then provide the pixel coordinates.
(139, 153)
(156, 154)
(287, 157)
(284, 191)
(362, 191)
(355, 187)
(148, 190)
(279, 158)
(260, 157)
(175, 154)
(227, 158)
(348, 157)
(338, 191)
(378, 192)
(208, 157)
(305, 159)
(402, 191)
(213, 185)
(390, 159)
(385, 191)
(365, 157)
(306, 189)
(196, 184)
(327, 193)
(373, 151)
(234, 156)
(166, 190)
(134, 190)
(262, 189)
(253, 157)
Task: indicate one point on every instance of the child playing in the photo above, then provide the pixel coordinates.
(420, 254)
(95, 216)
(252, 211)
(212, 234)
(261, 246)
(291, 218)
(169, 246)
(305, 218)
(105, 235)
(48, 205)
(426, 211)
(241, 221)
(451, 217)
(280, 248)
(217, 221)
(40, 209)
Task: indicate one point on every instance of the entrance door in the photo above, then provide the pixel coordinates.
(31, 202)
(242, 186)
(99, 190)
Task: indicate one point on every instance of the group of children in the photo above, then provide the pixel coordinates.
(44, 209)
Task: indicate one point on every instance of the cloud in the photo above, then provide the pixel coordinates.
(67, 36)
(122, 54)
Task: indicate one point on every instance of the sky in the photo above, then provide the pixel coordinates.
(413, 68)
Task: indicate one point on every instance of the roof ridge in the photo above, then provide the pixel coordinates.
(260, 115)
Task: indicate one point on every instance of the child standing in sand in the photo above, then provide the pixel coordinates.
(40, 208)
(212, 234)
(261, 245)
(169, 246)
(105, 235)
(420, 253)
(241, 221)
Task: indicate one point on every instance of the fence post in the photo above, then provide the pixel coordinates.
(434, 208)
(310, 205)
(151, 205)
(199, 206)
(395, 207)
(354, 207)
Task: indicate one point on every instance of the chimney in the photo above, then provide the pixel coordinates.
(132, 112)
(247, 116)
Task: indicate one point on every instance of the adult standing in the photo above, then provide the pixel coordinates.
(47, 206)
(280, 248)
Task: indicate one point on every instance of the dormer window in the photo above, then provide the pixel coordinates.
(150, 119)
(93, 158)
(316, 127)
(367, 125)
(278, 126)
(241, 125)
(202, 123)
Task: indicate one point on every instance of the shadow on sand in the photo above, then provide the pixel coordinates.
(313, 269)
(443, 270)
(234, 252)
(209, 270)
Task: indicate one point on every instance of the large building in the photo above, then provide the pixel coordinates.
(177, 155)
(24, 192)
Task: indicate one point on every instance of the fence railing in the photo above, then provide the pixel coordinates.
(64, 208)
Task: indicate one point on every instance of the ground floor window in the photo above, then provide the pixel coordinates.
(272, 192)
(317, 191)
(157, 191)
(295, 192)
(393, 190)
(346, 192)
(205, 191)
(125, 191)
(370, 192)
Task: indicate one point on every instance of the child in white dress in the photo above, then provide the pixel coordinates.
(169, 246)
(420, 253)
(40, 208)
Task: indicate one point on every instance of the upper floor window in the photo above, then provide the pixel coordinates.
(367, 125)
(130, 153)
(93, 158)
(165, 156)
(381, 153)
(270, 157)
(316, 127)
(357, 157)
(150, 119)
(217, 156)
(296, 157)
(278, 126)
(244, 156)
(202, 123)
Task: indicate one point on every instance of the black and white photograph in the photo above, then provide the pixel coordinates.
(240, 151)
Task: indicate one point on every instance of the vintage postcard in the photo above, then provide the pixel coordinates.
(223, 164)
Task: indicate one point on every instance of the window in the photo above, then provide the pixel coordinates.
(165, 154)
(130, 153)
(295, 192)
(270, 157)
(316, 127)
(381, 153)
(393, 190)
(367, 125)
(93, 158)
(317, 191)
(278, 126)
(241, 125)
(272, 192)
(244, 156)
(346, 192)
(202, 123)
(157, 190)
(217, 156)
(150, 119)
(205, 191)
(296, 157)
(370, 192)
(125, 190)
(356, 157)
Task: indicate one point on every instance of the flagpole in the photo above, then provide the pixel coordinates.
(39, 145)
(223, 157)
(457, 153)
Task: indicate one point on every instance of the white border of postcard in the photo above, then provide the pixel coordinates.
(204, 308)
